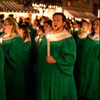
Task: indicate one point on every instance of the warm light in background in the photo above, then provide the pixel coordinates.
(59, 9)
(68, 3)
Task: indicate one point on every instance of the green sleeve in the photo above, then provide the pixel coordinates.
(2, 79)
(32, 31)
(33, 34)
(68, 56)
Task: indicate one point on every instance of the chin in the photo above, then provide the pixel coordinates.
(55, 29)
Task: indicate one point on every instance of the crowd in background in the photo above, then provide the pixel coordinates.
(22, 51)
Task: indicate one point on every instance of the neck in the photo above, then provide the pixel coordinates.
(97, 31)
(57, 31)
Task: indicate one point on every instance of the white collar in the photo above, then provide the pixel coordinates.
(7, 36)
(59, 36)
(95, 37)
(82, 35)
(1, 30)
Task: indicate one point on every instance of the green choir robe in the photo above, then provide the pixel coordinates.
(26, 56)
(89, 76)
(26, 62)
(2, 79)
(14, 74)
(75, 34)
(79, 45)
(55, 81)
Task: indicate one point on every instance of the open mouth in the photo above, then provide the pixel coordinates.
(55, 26)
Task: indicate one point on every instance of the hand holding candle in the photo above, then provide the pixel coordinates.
(50, 59)
(0, 40)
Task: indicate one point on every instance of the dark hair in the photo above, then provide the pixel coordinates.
(26, 32)
(49, 22)
(11, 15)
(42, 28)
(2, 16)
(37, 22)
(2, 21)
(84, 21)
(26, 23)
(79, 23)
(43, 17)
(27, 18)
(63, 16)
(67, 25)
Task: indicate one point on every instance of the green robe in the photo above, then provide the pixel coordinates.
(89, 76)
(55, 81)
(14, 74)
(79, 45)
(26, 62)
(26, 56)
(2, 79)
(75, 33)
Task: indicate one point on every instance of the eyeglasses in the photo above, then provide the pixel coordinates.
(6, 24)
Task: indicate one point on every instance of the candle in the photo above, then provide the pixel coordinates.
(0, 40)
(99, 13)
(48, 45)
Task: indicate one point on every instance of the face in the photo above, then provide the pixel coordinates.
(7, 27)
(85, 27)
(35, 23)
(57, 23)
(47, 27)
(43, 19)
(39, 32)
(96, 26)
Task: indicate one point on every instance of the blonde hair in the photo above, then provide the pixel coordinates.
(13, 22)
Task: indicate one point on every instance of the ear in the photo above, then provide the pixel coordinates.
(64, 23)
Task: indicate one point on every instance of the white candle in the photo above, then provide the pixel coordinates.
(48, 45)
(99, 13)
(0, 40)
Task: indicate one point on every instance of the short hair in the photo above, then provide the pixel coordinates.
(11, 15)
(49, 22)
(61, 14)
(1, 16)
(27, 18)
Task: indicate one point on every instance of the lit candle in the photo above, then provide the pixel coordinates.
(48, 45)
(0, 40)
